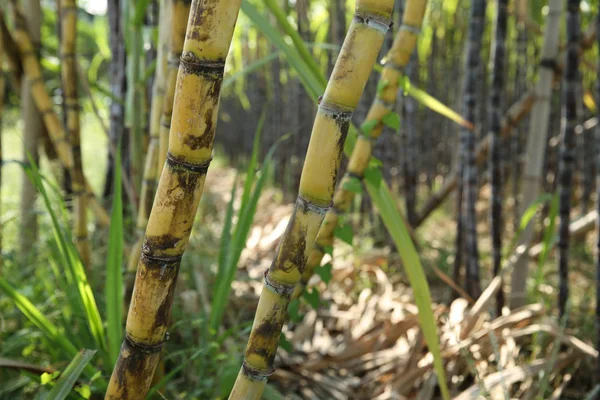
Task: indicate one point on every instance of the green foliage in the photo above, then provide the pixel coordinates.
(353, 185)
(324, 272)
(234, 237)
(383, 200)
(312, 297)
(114, 270)
(344, 232)
(392, 121)
(69, 376)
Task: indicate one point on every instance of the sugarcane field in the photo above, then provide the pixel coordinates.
(300, 199)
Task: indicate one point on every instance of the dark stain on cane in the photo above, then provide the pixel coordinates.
(198, 18)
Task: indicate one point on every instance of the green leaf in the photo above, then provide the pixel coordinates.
(294, 310)
(114, 267)
(328, 250)
(374, 176)
(67, 379)
(375, 162)
(367, 127)
(284, 343)
(344, 232)
(312, 297)
(381, 85)
(384, 201)
(227, 271)
(324, 272)
(392, 121)
(48, 377)
(353, 185)
(84, 391)
(312, 82)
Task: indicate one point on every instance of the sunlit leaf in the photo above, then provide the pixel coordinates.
(353, 185)
(324, 272)
(69, 376)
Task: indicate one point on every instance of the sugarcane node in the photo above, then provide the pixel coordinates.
(356, 175)
(155, 244)
(178, 163)
(173, 62)
(389, 105)
(307, 205)
(281, 288)
(194, 65)
(372, 20)
(414, 29)
(255, 374)
(145, 348)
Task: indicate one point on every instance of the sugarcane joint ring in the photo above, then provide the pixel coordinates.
(146, 348)
(338, 113)
(282, 289)
(192, 64)
(411, 28)
(256, 374)
(307, 205)
(200, 168)
(374, 21)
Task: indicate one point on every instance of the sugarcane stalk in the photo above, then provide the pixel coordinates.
(11, 55)
(195, 108)
(567, 151)
(32, 132)
(180, 10)
(68, 22)
(495, 121)
(396, 59)
(470, 179)
(150, 177)
(60, 140)
(317, 183)
(537, 138)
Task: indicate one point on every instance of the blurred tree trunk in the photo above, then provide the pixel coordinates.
(597, 257)
(536, 144)
(32, 131)
(470, 181)
(495, 116)
(118, 87)
(567, 151)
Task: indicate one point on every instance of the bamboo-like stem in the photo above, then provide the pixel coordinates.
(536, 145)
(180, 10)
(470, 181)
(395, 61)
(195, 108)
(150, 178)
(68, 22)
(11, 55)
(495, 116)
(566, 166)
(32, 132)
(317, 183)
(60, 141)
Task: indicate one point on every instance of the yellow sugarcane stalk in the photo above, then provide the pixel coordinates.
(180, 10)
(195, 109)
(383, 104)
(150, 171)
(60, 141)
(317, 183)
(68, 23)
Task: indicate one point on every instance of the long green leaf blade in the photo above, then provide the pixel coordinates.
(69, 376)
(114, 267)
(384, 201)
